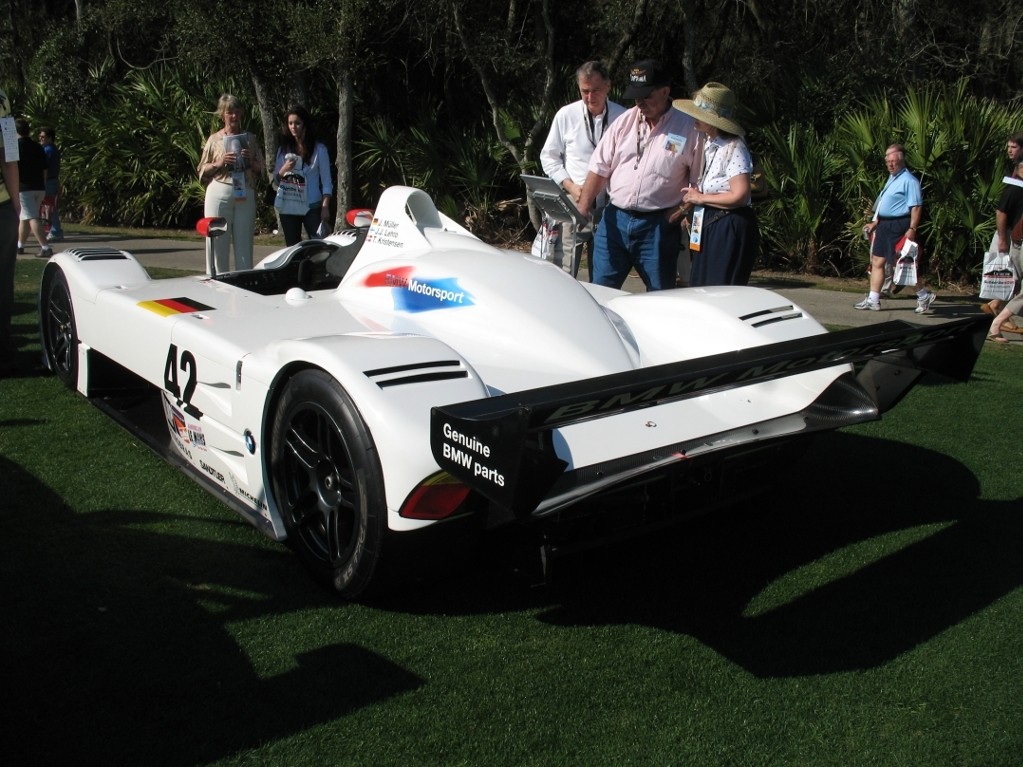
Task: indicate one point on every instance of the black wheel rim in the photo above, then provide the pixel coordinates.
(319, 484)
(60, 330)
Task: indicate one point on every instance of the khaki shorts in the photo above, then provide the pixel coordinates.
(30, 202)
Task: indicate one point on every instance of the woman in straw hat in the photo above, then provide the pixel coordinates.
(724, 236)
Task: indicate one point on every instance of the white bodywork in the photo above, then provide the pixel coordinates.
(422, 292)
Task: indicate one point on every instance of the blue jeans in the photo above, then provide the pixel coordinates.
(646, 241)
(292, 225)
(52, 186)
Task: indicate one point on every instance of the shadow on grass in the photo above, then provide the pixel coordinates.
(845, 567)
(116, 647)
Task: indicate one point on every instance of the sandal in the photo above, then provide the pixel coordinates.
(988, 309)
(1008, 327)
(998, 339)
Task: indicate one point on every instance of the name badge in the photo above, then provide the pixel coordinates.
(695, 228)
(674, 143)
(238, 182)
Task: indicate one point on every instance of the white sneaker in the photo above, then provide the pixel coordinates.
(866, 303)
(923, 303)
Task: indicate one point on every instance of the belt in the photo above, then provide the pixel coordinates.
(658, 212)
(893, 218)
(716, 214)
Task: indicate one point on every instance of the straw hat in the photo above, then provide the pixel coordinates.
(713, 104)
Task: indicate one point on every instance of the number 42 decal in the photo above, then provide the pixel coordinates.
(186, 364)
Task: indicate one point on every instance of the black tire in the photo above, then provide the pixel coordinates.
(57, 328)
(327, 482)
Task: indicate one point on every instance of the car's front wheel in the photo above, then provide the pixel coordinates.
(58, 329)
(327, 481)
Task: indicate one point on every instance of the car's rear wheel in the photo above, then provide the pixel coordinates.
(58, 330)
(327, 481)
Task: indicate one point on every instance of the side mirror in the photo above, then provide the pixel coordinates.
(359, 217)
(211, 227)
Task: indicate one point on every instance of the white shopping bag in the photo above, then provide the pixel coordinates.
(548, 243)
(999, 277)
(905, 265)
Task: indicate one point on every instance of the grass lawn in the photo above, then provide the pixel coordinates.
(869, 612)
(114, 233)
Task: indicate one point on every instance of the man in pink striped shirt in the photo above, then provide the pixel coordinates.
(644, 161)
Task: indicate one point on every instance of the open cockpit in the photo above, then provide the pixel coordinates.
(309, 265)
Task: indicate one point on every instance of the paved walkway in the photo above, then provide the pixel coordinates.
(831, 307)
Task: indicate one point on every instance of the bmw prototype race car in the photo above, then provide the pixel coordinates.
(403, 374)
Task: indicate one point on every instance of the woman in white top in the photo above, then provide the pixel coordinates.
(299, 153)
(725, 238)
(229, 167)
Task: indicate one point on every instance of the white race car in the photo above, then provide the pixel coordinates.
(405, 373)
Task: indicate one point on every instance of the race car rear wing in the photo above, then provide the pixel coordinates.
(501, 446)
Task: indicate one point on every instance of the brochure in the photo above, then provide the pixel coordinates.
(235, 143)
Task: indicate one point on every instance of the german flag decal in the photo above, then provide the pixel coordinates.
(168, 306)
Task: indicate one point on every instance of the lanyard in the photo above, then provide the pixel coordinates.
(591, 126)
(642, 138)
(709, 152)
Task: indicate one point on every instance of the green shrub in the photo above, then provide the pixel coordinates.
(824, 187)
(131, 159)
(466, 171)
(797, 221)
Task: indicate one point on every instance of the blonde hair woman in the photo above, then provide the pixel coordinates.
(231, 163)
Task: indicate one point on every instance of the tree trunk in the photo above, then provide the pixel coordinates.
(628, 35)
(343, 192)
(266, 119)
(524, 157)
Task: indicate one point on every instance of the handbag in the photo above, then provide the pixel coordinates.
(290, 199)
(999, 277)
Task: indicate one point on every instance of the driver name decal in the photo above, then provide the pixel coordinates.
(385, 233)
(412, 294)
(466, 451)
